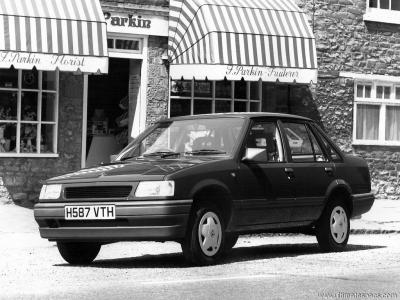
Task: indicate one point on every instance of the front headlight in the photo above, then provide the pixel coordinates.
(155, 189)
(50, 192)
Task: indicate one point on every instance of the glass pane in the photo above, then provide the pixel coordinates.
(47, 139)
(240, 89)
(222, 106)
(319, 156)
(110, 43)
(254, 106)
(299, 142)
(367, 122)
(331, 151)
(360, 90)
(373, 3)
(202, 107)
(395, 4)
(255, 90)
(240, 106)
(397, 96)
(8, 133)
(384, 4)
(8, 105)
(30, 79)
(223, 89)
(180, 107)
(127, 44)
(203, 89)
(28, 138)
(49, 81)
(8, 78)
(387, 92)
(181, 88)
(263, 143)
(392, 123)
(379, 91)
(367, 91)
(48, 107)
(29, 106)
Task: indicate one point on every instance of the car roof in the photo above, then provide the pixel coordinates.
(243, 115)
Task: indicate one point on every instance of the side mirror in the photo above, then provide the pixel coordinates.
(255, 154)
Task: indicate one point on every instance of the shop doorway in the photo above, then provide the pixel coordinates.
(108, 112)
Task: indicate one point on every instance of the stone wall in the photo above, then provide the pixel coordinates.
(22, 177)
(346, 43)
(157, 81)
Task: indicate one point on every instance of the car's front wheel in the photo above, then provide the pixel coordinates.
(77, 253)
(333, 228)
(205, 237)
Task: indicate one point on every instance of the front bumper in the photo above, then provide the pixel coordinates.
(135, 221)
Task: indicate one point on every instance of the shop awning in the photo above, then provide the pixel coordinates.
(48, 34)
(234, 39)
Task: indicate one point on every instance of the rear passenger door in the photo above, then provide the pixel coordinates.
(310, 168)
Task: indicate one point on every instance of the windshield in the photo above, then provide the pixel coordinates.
(188, 138)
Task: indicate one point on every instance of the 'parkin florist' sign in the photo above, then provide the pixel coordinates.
(42, 61)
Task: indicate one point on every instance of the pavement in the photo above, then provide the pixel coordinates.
(383, 218)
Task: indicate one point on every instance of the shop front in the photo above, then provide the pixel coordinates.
(45, 48)
(240, 57)
(117, 103)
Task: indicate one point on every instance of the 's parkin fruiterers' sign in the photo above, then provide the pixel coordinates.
(261, 72)
(42, 61)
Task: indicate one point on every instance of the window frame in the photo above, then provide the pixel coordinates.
(382, 15)
(39, 122)
(248, 100)
(382, 103)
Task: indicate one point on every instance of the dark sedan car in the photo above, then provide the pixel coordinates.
(204, 180)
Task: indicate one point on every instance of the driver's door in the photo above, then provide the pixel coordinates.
(266, 185)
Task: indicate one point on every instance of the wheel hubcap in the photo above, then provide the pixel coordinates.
(210, 233)
(339, 224)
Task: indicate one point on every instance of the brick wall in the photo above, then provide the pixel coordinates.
(21, 177)
(346, 43)
(157, 81)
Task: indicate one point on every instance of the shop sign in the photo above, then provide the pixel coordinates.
(282, 74)
(43, 61)
(136, 24)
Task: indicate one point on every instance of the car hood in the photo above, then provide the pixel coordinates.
(133, 170)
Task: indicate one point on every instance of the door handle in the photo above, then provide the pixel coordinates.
(329, 170)
(289, 172)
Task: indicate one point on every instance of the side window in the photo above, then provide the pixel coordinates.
(331, 151)
(302, 143)
(264, 143)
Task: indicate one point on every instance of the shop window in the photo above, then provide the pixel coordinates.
(377, 114)
(192, 97)
(28, 112)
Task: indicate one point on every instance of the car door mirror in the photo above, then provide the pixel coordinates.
(255, 154)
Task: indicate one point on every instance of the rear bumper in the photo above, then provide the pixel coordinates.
(135, 220)
(362, 203)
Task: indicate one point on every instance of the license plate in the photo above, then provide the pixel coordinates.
(90, 212)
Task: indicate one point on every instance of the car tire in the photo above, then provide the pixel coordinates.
(205, 236)
(78, 253)
(230, 241)
(333, 227)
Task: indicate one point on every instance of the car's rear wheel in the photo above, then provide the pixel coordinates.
(77, 253)
(205, 237)
(333, 228)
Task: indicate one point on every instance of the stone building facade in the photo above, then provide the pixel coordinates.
(349, 42)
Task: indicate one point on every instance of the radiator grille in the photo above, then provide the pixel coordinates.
(97, 192)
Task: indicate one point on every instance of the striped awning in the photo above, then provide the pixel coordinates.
(233, 39)
(69, 35)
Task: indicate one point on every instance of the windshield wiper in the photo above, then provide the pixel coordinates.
(205, 152)
(162, 154)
